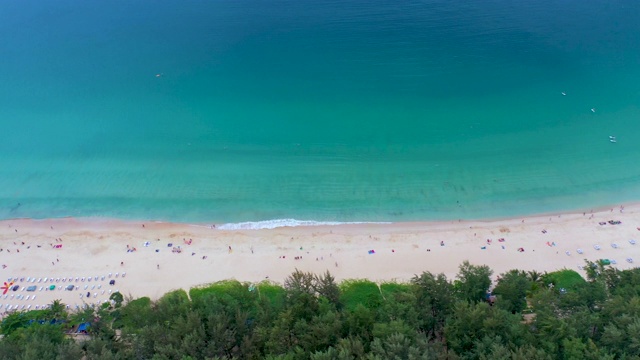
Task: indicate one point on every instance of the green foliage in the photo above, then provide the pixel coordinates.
(470, 322)
(512, 290)
(313, 317)
(273, 293)
(563, 279)
(363, 292)
(55, 313)
(326, 287)
(435, 300)
(135, 314)
(473, 282)
(117, 298)
(219, 289)
(392, 288)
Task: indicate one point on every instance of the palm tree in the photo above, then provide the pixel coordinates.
(534, 276)
(58, 311)
(536, 279)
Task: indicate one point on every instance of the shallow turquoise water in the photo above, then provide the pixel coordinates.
(325, 110)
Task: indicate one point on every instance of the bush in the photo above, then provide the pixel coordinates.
(564, 279)
(363, 292)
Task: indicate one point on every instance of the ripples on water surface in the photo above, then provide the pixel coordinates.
(326, 110)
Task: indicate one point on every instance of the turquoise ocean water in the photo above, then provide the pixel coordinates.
(321, 110)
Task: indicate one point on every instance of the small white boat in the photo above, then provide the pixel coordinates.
(563, 93)
(593, 110)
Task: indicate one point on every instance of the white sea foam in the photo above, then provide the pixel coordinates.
(276, 223)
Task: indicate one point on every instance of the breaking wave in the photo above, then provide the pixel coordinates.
(276, 223)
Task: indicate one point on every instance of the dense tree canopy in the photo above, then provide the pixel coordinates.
(531, 316)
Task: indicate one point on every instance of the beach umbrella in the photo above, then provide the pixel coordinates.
(6, 287)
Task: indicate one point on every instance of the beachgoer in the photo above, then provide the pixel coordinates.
(158, 266)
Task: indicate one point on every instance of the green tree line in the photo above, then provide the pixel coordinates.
(522, 315)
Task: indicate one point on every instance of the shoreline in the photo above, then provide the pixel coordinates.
(158, 257)
(597, 209)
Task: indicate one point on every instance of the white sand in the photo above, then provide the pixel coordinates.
(97, 247)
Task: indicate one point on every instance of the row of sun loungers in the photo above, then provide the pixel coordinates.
(11, 307)
(64, 279)
(91, 290)
(33, 297)
(598, 247)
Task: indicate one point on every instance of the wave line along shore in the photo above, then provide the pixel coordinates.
(160, 256)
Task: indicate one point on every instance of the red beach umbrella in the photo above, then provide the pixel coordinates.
(6, 287)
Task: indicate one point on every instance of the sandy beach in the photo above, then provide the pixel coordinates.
(152, 258)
